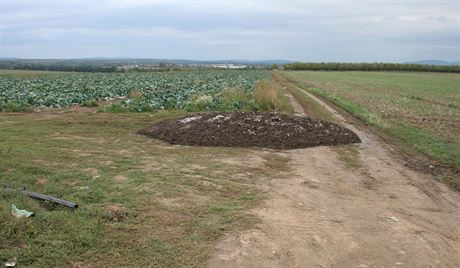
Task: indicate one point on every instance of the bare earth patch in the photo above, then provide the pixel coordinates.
(41, 181)
(120, 178)
(115, 212)
(92, 172)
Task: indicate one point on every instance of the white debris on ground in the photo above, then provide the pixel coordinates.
(11, 263)
(218, 118)
(189, 119)
(257, 118)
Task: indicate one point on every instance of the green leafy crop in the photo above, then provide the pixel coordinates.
(137, 91)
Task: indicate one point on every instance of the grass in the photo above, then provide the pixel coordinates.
(115, 108)
(270, 97)
(426, 142)
(172, 202)
(26, 73)
(14, 107)
(349, 155)
(89, 103)
(310, 106)
(358, 111)
(267, 96)
(419, 110)
(235, 99)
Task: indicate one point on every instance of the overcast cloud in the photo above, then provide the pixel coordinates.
(339, 30)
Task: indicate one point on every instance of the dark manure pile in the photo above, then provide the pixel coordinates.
(250, 129)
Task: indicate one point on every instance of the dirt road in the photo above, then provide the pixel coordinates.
(349, 206)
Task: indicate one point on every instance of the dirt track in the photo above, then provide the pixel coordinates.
(368, 210)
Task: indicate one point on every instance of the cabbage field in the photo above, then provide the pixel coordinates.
(138, 91)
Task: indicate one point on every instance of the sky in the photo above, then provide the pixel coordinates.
(301, 30)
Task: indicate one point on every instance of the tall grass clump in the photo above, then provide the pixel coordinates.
(270, 98)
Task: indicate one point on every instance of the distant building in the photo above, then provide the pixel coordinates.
(226, 66)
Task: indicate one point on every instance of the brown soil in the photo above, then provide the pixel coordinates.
(251, 129)
(115, 212)
(362, 209)
(41, 181)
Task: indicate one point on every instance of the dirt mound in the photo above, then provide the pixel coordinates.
(250, 129)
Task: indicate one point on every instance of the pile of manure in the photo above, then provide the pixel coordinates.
(250, 129)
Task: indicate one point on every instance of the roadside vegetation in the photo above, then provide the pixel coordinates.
(420, 110)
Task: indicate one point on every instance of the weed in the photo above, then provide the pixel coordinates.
(141, 105)
(116, 108)
(349, 155)
(235, 99)
(89, 103)
(452, 180)
(270, 97)
(15, 107)
(200, 102)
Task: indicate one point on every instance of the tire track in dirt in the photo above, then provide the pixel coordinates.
(374, 213)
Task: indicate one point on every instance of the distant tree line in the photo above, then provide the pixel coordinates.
(64, 66)
(372, 67)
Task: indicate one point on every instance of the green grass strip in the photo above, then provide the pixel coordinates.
(406, 132)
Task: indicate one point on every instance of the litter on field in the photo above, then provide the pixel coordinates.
(42, 197)
(20, 213)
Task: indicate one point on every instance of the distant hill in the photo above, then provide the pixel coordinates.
(9, 59)
(435, 62)
(126, 60)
